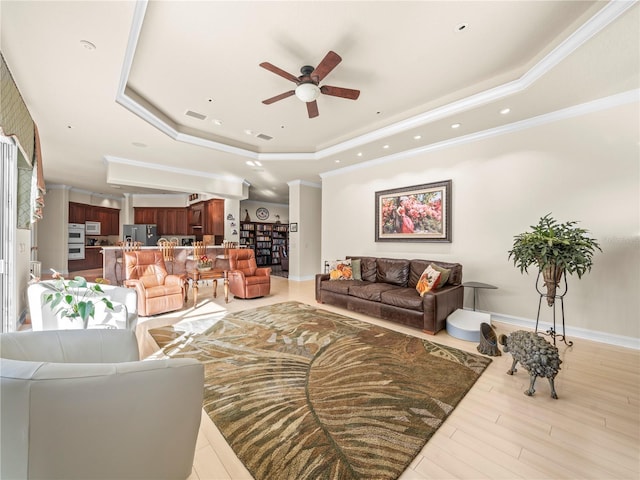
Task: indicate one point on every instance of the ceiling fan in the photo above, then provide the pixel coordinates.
(307, 88)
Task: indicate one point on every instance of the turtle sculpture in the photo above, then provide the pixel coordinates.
(536, 355)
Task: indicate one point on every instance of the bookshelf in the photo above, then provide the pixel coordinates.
(265, 240)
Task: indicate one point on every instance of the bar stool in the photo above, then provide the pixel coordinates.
(168, 251)
(126, 246)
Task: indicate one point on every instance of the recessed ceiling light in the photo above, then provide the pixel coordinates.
(248, 132)
(359, 154)
(250, 163)
(138, 144)
(417, 137)
(69, 126)
(217, 122)
(461, 27)
(337, 161)
(385, 146)
(455, 125)
(504, 111)
(258, 163)
(87, 44)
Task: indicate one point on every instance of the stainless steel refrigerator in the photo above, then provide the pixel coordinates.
(145, 233)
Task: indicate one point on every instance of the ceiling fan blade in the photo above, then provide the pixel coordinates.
(328, 63)
(271, 100)
(279, 71)
(340, 92)
(312, 109)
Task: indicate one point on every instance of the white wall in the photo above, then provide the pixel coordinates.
(583, 169)
(274, 209)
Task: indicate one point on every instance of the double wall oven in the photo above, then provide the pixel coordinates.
(75, 241)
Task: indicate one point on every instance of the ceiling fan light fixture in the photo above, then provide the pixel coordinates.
(307, 92)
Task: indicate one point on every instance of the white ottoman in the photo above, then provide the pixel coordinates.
(465, 324)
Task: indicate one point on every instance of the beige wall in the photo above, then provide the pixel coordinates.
(52, 230)
(305, 205)
(583, 168)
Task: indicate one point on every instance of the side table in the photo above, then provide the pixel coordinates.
(465, 324)
(196, 275)
(476, 286)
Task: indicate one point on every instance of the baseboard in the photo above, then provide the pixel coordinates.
(301, 279)
(575, 332)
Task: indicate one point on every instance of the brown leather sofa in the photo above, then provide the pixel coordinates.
(388, 291)
(158, 292)
(246, 279)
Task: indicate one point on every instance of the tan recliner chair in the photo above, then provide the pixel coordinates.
(77, 404)
(158, 292)
(246, 279)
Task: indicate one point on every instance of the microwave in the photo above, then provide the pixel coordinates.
(92, 228)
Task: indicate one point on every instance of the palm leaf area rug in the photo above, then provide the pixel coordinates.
(303, 393)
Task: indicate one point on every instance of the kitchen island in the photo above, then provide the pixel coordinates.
(113, 269)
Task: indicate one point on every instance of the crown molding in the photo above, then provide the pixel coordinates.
(606, 103)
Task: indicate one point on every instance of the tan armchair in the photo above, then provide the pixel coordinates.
(158, 292)
(246, 279)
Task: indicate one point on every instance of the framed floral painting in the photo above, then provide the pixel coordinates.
(421, 213)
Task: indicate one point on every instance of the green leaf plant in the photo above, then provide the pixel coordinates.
(73, 298)
(549, 244)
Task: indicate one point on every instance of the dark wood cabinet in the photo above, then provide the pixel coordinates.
(92, 214)
(109, 218)
(214, 218)
(93, 258)
(202, 218)
(77, 212)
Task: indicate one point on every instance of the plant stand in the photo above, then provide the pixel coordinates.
(559, 296)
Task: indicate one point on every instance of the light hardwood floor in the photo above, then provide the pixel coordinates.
(591, 431)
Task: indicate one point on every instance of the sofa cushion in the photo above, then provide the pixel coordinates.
(444, 274)
(340, 270)
(370, 291)
(356, 268)
(393, 271)
(367, 268)
(339, 287)
(402, 297)
(428, 280)
(419, 266)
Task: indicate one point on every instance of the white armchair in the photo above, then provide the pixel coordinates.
(124, 315)
(77, 404)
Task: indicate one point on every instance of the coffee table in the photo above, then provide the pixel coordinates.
(197, 275)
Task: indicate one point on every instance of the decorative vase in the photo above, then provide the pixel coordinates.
(247, 218)
(552, 274)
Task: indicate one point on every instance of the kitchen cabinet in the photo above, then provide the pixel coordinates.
(202, 218)
(92, 258)
(77, 212)
(172, 221)
(145, 215)
(109, 218)
(214, 218)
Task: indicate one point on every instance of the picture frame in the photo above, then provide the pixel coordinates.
(293, 227)
(420, 213)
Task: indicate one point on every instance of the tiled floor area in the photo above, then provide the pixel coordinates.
(591, 431)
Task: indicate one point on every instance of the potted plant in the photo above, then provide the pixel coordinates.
(74, 298)
(556, 249)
